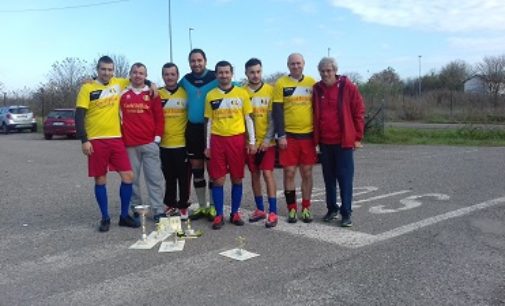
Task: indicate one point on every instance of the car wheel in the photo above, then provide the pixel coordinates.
(71, 136)
(48, 136)
(5, 129)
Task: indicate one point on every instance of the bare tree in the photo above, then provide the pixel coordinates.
(64, 81)
(355, 77)
(385, 82)
(492, 70)
(454, 75)
(121, 65)
(271, 78)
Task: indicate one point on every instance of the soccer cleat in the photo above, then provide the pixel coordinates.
(257, 215)
(306, 215)
(330, 215)
(198, 213)
(218, 222)
(271, 220)
(211, 212)
(128, 221)
(104, 225)
(184, 214)
(292, 217)
(346, 222)
(235, 219)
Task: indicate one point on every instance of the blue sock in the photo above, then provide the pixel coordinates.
(101, 198)
(218, 197)
(236, 197)
(259, 203)
(272, 203)
(125, 193)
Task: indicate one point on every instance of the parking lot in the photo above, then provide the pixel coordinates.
(429, 228)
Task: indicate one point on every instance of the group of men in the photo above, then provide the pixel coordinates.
(205, 119)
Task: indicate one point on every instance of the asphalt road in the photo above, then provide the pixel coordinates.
(429, 229)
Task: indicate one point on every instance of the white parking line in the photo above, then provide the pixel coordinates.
(353, 239)
(402, 230)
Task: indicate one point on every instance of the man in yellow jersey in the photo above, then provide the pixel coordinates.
(264, 159)
(227, 114)
(174, 159)
(292, 111)
(98, 128)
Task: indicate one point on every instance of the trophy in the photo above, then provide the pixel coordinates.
(142, 210)
(190, 232)
(241, 245)
(239, 253)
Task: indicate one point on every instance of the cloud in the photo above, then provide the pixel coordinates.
(442, 15)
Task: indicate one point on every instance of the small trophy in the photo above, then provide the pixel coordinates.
(190, 232)
(239, 253)
(241, 245)
(142, 210)
(175, 245)
(146, 242)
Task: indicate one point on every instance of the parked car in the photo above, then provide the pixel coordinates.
(17, 117)
(60, 121)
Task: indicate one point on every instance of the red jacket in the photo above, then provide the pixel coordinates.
(142, 117)
(351, 111)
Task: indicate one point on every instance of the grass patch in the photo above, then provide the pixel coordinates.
(467, 136)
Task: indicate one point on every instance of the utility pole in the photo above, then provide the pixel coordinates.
(329, 51)
(170, 28)
(5, 98)
(419, 75)
(190, 40)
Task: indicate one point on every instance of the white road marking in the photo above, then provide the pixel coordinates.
(402, 230)
(353, 239)
(408, 203)
(382, 196)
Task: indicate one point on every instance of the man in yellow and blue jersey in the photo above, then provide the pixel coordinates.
(228, 115)
(264, 159)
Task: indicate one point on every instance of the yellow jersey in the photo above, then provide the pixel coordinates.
(102, 105)
(176, 117)
(297, 99)
(227, 109)
(261, 101)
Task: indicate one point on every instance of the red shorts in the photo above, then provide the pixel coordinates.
(264, 160)
(227, 154)
(108, 154)
(298, 152)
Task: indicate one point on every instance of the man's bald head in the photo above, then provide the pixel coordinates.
(295, 65)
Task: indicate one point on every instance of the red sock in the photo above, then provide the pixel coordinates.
(292, 206)
(305, 203)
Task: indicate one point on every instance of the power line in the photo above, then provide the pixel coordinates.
(62, 7)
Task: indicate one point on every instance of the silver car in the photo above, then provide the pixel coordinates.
(17, 117)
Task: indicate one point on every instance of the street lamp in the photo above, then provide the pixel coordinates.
(419, 75)
(190, 40)
(170, 28)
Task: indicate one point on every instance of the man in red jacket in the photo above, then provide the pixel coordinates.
(142, 127)
(338, 129)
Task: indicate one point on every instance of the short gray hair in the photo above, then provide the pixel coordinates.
(327, 60)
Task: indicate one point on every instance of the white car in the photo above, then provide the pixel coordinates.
(17, 117)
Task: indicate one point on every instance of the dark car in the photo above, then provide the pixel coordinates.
(17, 117)
(60, 121)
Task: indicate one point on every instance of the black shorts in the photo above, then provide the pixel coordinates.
(195, 140)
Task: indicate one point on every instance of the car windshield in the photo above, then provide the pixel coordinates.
(61, 115)
(20, 110)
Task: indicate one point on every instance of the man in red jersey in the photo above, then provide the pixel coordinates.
(142, 127)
